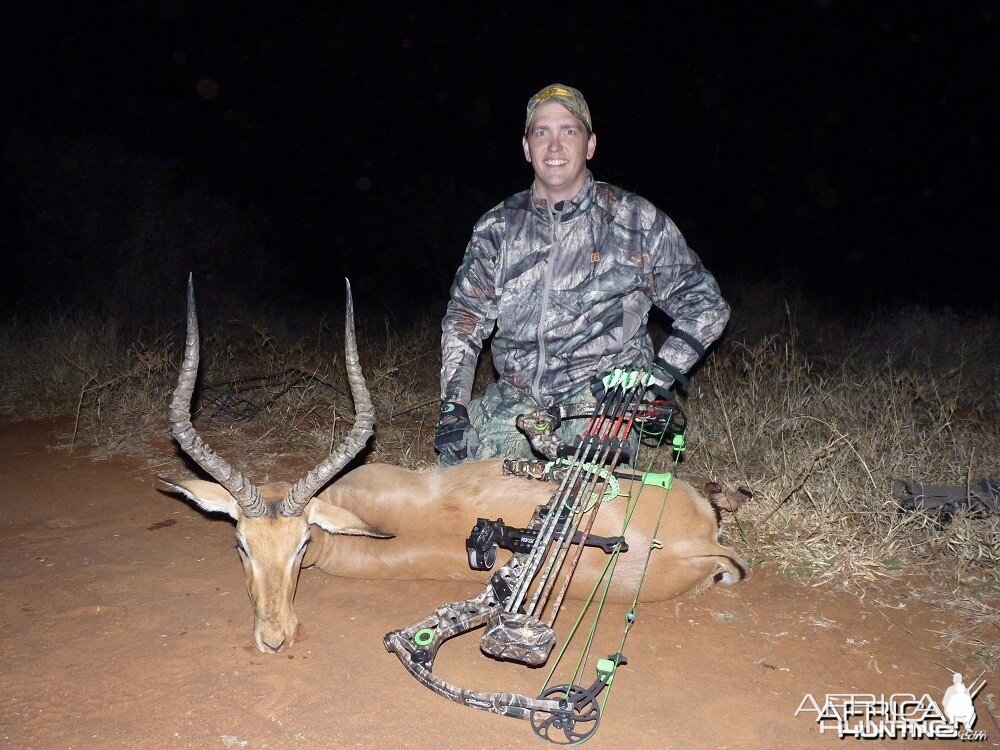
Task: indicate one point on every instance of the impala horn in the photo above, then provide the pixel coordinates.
(300, 493)
(246, 494)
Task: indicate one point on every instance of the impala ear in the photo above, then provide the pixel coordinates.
(208, 496)
(336, 520)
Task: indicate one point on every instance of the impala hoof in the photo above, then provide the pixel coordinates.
(271, 645)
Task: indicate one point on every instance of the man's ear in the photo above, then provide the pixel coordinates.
(339, 521)
(527, 150)
(591, 145)
(208, 496)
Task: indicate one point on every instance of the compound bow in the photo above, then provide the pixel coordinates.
(517, 628)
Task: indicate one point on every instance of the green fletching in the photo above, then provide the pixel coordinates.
(627, 379)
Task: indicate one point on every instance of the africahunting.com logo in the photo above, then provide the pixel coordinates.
(867, 716)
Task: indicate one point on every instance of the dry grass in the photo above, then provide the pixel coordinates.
(815, 416)
(268, 392)
(819, 440)
(821, 451)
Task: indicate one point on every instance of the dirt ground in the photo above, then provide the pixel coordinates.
(124, 623)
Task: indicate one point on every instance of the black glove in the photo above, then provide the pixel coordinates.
(663, 376)
(660, 381)
(454, 436)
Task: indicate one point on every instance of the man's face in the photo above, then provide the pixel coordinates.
(558, 147)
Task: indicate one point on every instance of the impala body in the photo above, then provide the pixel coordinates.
(385, 522)
(430, 514)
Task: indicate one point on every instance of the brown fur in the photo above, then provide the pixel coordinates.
(428, 515)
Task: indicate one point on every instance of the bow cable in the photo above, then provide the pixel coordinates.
(679, 447)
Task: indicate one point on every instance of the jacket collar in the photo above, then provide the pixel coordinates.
(571, 208)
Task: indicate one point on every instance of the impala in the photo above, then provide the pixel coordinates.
(385, 522)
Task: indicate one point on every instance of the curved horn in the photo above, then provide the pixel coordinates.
(300, 493)
(184, 432)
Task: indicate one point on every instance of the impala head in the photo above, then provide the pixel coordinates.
(272, 521)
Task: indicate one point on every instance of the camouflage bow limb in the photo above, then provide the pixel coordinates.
(417, 646)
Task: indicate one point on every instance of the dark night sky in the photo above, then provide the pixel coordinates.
(845, 146)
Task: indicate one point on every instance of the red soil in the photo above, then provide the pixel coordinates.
(124, 623)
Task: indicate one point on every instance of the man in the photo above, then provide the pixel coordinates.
(565, 273)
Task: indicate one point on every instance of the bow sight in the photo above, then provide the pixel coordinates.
(517, 607)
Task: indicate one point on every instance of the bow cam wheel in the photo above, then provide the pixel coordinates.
(571, 724)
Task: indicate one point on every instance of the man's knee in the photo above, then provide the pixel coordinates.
(505, 445)
(446, 459)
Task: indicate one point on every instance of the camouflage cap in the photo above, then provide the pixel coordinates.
(567, 96)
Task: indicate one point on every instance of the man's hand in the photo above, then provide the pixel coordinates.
(660, 381)
(454, 437)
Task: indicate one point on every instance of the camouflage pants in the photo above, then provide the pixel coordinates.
(493, 417)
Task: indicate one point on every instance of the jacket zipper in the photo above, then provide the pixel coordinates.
(536, 388)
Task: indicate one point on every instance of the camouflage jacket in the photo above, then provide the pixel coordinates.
(568, 292)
